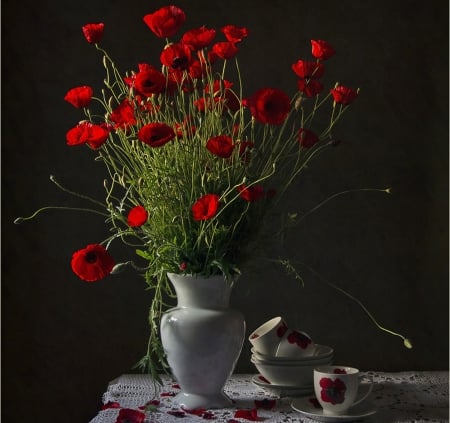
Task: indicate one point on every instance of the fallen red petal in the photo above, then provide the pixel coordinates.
(110, 404)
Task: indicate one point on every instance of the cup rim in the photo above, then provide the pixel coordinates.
(330, 370)
(324, 351)
(266, 327)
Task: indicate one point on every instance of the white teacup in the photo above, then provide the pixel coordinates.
(295, 344)
(336, 388)
(265, 339)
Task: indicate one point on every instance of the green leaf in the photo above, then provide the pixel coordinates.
(144, 254)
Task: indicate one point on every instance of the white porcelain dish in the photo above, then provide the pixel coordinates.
(322, 352)
(305, 406)
(289, 374)
(280, 390)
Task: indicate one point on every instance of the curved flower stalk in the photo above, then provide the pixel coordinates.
(195, 163)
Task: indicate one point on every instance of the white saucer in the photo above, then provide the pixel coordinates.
(305, 407)
(281, 390)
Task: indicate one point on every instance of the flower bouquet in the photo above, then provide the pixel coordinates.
(196, 164)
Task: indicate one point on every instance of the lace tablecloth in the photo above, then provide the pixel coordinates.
(397, 397)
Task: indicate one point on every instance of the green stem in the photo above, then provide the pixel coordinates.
(338, 194)
(76, 194)
(22, 219)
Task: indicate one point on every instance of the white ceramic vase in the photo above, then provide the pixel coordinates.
(202, 338)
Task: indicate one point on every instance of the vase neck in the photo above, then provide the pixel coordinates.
(201, 292)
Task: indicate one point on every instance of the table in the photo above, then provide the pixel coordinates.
(398, 397)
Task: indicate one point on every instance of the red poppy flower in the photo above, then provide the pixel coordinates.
(93, 32)
(207, 103)
(234, 34)
(92, 263)
(197, 69)
(308, 69)
(205, 207)
(156, 134)
(307, 138)
(270, 105)
(186, 128)
(149, 81)
(225, 49)
(79, 96)
(177, 56)
(199, 38)
(137, 216)
(128, 415)
(123, 115)
(219, 86)
(343, 95)
(166, 21)
(321, 49)
(332, 390)
(309, 87)
(251, 193)
(87, 133)
(221, 146)
(248, 415)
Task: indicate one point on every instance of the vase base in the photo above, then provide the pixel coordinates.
(196, 401)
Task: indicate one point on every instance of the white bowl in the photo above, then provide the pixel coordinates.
(299, 375)
(320, 352)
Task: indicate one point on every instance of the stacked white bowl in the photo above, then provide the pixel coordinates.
(287, 357)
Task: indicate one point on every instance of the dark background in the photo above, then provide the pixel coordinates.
(63, 339)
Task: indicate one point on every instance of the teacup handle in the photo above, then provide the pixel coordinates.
(366, 394)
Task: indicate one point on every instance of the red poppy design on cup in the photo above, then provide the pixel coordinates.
(282, 330)
(301, 339)
(333, 391)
